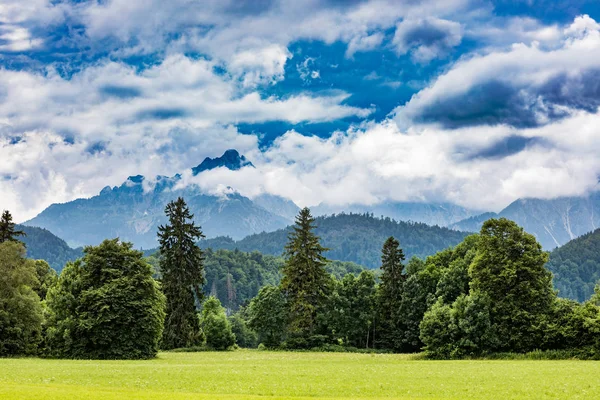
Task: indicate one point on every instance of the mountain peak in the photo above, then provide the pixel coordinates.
(231, 159)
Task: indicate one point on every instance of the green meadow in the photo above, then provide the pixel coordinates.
(284, 375)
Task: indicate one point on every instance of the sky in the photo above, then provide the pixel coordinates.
(471, 102)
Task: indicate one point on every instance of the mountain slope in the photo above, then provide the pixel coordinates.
(44, 245)
(134, 210)
(576, 266)
(354, 237)
(442, 214)
(553, 222)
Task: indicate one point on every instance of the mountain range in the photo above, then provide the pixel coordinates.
(134, 210)
(553, 222)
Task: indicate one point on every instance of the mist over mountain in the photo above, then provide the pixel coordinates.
(553, 222)
(134, 210)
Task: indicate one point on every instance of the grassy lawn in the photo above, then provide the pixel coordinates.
(254, 374)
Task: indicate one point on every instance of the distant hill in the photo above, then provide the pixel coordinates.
(553, 222)
(354, 237)
(441, 214)
(134, 210)
(44, 245)
(576, 266)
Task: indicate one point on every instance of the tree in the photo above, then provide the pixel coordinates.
(216, 326)
(7, 228)
(20, 308)
(305, 282)
(182, 268)
(509, 269)
(46, 276)
(106, 305)
(268, 315)
(244, 336)
(390, 295)
(351, 309)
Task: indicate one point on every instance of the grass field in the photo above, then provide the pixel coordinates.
(279, 375)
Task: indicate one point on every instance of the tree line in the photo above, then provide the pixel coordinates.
(489, 294)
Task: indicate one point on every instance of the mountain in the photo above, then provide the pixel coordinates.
(231, 159)
(440, 214)
(134, 210)
(553, 222)
(42, 244)
(576, 266)
(353, 237)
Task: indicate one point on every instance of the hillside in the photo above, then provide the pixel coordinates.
(43, 244)
(576, 266)
(354, 237)
(553, 222)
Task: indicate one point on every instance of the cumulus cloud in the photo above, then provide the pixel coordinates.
(526, 86)
(427, 39)
(62, 138)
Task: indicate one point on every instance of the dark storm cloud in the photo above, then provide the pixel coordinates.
(499, 102)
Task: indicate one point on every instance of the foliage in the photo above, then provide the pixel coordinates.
(20, 309)
(305, 281)
(244, 336)
(390, 295)
(268, 315)
(46, 278)
(509, 269)
(353, 237)
(181, 266)
(576, 267)
(106, 306)
(215, 325)
(8, 232)
(350, 312)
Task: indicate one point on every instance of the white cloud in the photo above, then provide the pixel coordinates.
(527, 70)
(63, 138)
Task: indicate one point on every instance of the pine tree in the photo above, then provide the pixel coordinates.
(390, 294)
(7, 228)
(305, 281)
(182, 267)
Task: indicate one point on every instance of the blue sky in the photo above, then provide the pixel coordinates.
(472, 102)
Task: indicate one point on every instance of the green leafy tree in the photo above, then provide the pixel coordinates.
(351, 311)
(390, 295)
(20, 308)
(244, 336)
(509, 269)
(106, 306)
(7, 228)
(305, 282)
(46, 276)
(216, 326)
(268, 316)
(182, 267)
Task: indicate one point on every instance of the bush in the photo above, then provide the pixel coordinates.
(215, 325)
(106, 306)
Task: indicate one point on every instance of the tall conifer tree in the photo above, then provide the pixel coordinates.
(390, 294)
(305, 281)
(7, 228)
(182, 267)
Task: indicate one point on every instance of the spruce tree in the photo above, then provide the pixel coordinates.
(7, 228)
(390, 295)
(305, 281)
(182, 267)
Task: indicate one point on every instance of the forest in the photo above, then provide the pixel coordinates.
(489, 294)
